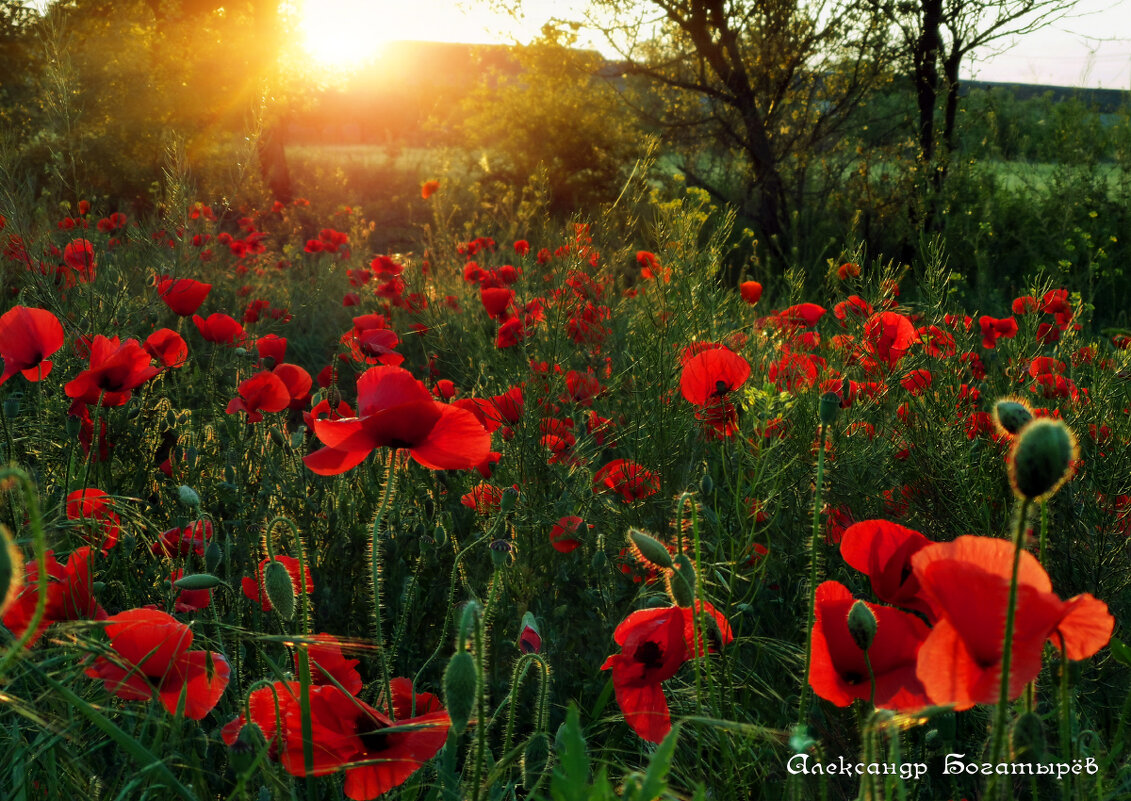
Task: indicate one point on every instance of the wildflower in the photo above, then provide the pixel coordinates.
(397, 411)
(183, 295)
(152, 656)
(653, 649)
(220, 328)
(70, 594)
(628, 479)
(563, 534)
(882, 551)
(115, 371)
(429, 188)
(27, 337)
(94, 505)
(167, 347)
(255, 589)
(751, 291)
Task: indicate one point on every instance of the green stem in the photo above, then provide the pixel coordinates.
(39, 543)
(999, 737)
(481, 708)
(814, 564)
(375, 569)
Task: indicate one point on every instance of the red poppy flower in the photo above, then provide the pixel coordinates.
(27, 337)
(882, 551)
(78, 256)
(167, 347)
(347, 731)
(254, 589)
(854, 305)
(626, 478)
(994, 329)
(751, 291)
(848, 270)
(220, 328)
(888, 336)
(838, 671)
(115, 371)
(182, 295)
(180, 541)
(271, 346)
(563, 534)
(483, 498)
(328, 664)
(263, 392)
(429, 188)
(710, 376)
(653, 649)
(297, 382)
(1024, 305)
(153, 656)
(966, 582)
(70, 594)
(794, 371)
(806, 314)
(94, 505)
(397, 411)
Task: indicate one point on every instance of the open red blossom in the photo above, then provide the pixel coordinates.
(94, 505)
(653, 649)
(27, 337)
(839, 672)
(167, 347)
(328, 665)
(854, 305)
(795, 371)
(563, 535)
(115, 371)
(1025, 304)
(937, 343)
(966, 582)
(254, 588)
(70, 594)
(994, 329)
(182, 295)
(882, 551)
(496, 300)
(376, 752)
(888, 336)
(220, 328)
(483, 498)
(180, 541)
(710, 376)
(79, 257)
(297, 381)
(152, 656)
(396, 410)
(626, 478)
(806, 314)
(263, 392)
(271, 346)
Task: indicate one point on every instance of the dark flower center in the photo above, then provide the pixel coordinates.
(852, 677)
(649, 654)
(721, 389)
(376, 741)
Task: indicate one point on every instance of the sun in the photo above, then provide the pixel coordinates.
(340, 34)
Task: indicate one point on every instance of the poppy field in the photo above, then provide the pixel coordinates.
(551, 513)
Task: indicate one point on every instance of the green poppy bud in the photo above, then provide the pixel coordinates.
(1042, 458)
(648, 550)
(706, 484)
(829, 408)
(1012, 415)
(680, 581)
(246, 748)
(279, 588)
(205, 581)
(471, 612)
(188, 496)
(461, 684)
(862, 625)
(213, 556)
(509, 499)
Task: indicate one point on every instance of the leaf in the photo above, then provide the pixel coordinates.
(570, 781)
(655, 778)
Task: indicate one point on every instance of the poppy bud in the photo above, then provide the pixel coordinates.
(509, 499)
(461, 682)
(471, 611)
(246, 747)
(530, 638)
(203, 581)
(1042, 458)
(11, 569)
(1012, 415)
(828, 408)
(279, 588)
(648, 550)
(706, 484)
(97, 587)
(534, 758)
(680, 581)
(188, 496)
(502, 553)
(213, 556)
(12, 406)
(1028, 738)
(862, 625)
(599, 559)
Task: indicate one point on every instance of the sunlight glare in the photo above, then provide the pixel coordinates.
(345, 33)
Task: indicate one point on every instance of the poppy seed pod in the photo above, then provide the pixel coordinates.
(648, 550)
(862, 625)
(279, 588)
(188, 496)
(246, 748)
(1011, 415)
(829, 408)
(1042, 458)
(11, 570)
(461, 683)
(1028, 738)
(213, 556)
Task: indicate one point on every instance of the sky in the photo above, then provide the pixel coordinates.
(1091, 47)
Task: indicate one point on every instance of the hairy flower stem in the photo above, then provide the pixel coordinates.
(814, 564)
(481, 707)
(39, 543)
(997, 747)
(375, 569)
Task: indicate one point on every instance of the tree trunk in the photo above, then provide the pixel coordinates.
(925, 61)
(273, 162)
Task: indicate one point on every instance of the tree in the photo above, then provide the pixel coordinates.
(754, 91)
(936, 36)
